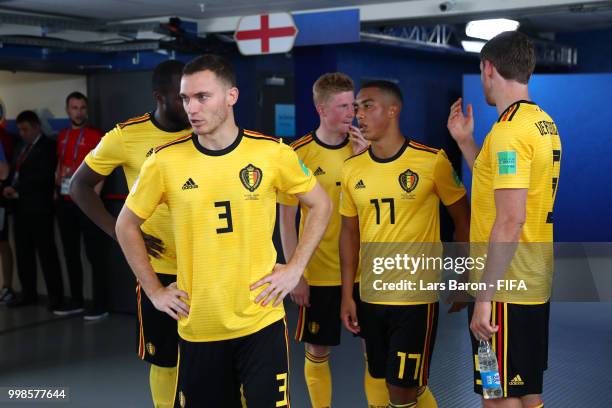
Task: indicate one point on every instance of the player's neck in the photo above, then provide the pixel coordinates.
(167, 124)
(512, 93)
(221, 138)
(81, 126)
(389, 145)
(329, 137)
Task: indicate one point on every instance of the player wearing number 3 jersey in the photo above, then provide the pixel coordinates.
(220, 185)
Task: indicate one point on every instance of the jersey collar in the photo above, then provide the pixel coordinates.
(389, 159)
(328, 146)
(512, 104)
(221, 152)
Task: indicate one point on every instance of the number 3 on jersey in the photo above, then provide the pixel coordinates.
(226, 215)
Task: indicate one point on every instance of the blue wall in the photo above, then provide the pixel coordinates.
(579, 104)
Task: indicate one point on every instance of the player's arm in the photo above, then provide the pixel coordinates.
(83, 192)
(459, 212)
(285, 277)
(461, 128)
(289, 238)
(166, 299)
(510, 207)
(349, 261)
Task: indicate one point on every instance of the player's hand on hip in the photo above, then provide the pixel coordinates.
(301, 293)
(460, 125)
(481, 326)
(348, 315)
(358, 142)
(171, 300)
(155, 246)
(280, 281)
(458, 301)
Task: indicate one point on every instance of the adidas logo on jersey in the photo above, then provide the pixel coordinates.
(150, 152)
(189, 184)
(319, 172)
(360, 184)
(517, 381)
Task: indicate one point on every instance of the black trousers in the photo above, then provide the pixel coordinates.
(73, 224)
(34, 235)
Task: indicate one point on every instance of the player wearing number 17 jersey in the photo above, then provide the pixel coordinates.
(391, 194)
(220, 185)
(514, 184)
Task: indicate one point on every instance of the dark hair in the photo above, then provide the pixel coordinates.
(75, 95)
(512, 54)
(28, 116)
(388, 87)
(220, 66)
(164, 73)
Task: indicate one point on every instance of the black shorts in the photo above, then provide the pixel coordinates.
(210, 373)
(400, 341)
(320, 323)
(157, 339)
(521, 346)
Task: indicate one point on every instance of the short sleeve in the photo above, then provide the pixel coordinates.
(447, 184)
(287, 199)
(148, 190)
(108, 154)
(510, 155)
(293, 175)
(347, 205)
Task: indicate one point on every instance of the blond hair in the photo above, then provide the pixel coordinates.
(330, 84)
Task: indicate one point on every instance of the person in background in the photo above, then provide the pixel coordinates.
(73, 144)
(6, 255)
(31, 186)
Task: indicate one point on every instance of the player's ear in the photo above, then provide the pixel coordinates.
(232, 96)
(320, 109)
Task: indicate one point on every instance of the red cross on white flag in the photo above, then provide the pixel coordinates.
(265, 34)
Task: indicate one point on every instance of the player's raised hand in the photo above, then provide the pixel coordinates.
(169, 299)
(301, 294)
(348, 315)
(155, 246)
(460, 125)
(358, 142)
(282, 280)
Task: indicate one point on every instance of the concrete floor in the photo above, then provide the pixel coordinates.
(96, 360)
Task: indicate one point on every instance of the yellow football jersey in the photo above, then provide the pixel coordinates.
(222, 204)
(397, 200)
(326, 163)
(523, 151)
(128, 145)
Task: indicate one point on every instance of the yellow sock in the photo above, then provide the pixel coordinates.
(318, 380)
(163, 383)
(375, 389)
(242, 399)
(425, 399)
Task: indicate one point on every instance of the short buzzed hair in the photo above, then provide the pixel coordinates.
(75, 95)
(330, 84)
(28, 116)
(164, 73)
(387, 87)
(217, 64)
(512, 54)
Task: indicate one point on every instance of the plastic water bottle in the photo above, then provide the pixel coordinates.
(489, 372)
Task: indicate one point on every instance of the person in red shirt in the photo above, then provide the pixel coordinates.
(73, 144)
